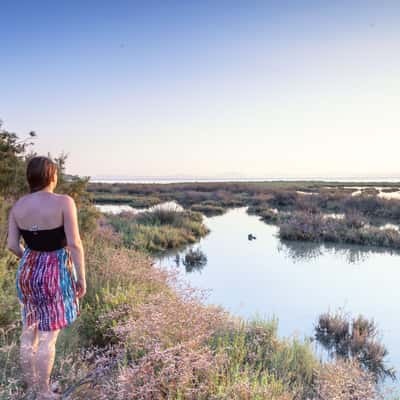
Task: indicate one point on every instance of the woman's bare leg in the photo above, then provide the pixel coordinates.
(28, 350)
(45, 360)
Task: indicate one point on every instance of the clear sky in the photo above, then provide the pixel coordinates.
(217, 88)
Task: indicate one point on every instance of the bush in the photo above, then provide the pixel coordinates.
(352, 229)
(344, 380)
(159, 230)
(194, 260)
(253, 349)
(354, 339)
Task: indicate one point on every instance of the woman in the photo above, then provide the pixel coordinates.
(51, 272)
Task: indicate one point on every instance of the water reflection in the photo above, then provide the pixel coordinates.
(300, 251)
(193, 260)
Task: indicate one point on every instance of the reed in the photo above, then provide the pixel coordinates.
(159, 230)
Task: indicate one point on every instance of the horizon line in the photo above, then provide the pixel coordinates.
(182, 178)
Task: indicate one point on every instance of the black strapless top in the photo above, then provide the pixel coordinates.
(45, 239)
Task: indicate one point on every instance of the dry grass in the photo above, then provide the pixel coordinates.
(345, 381)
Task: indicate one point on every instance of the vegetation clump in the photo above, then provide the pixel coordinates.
(194, 259)
(345, 380)
(268, 215)
(354, 339)
(160, 229)
(208, 209)
(131, 200)
(352, 229)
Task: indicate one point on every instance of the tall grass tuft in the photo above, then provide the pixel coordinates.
(354, 339)
(159, 229)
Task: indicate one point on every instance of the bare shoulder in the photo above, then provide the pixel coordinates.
(20, 203)
(66, 200)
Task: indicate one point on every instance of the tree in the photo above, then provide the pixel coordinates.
(13, 155)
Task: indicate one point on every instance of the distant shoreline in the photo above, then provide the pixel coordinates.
(160, 180)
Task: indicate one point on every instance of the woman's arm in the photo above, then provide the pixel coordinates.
(74, 242)
(13, 242)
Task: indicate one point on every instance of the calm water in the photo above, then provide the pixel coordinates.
(295, 282)
(118, 208)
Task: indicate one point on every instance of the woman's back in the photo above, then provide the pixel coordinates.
(40, 210)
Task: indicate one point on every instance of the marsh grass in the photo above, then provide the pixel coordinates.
(275, 203)
(268, 215)
(345, 380)
(159, 229)
(132, 200)
(353, 229)
(208, 209)
(354, 339)
(254, 352)
(194, 259)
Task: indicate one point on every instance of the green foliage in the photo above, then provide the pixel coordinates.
(76, 187)
(159, 230)
(13, 159)
(12, 162)
(5, 206)
(132, 200)
(253, 347)
(9, 307)
(208, 209)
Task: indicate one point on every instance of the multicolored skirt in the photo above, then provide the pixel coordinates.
(46, 287)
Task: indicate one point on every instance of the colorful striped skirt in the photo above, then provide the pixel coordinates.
(46, 287)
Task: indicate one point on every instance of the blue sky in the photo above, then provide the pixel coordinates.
(207, 88)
